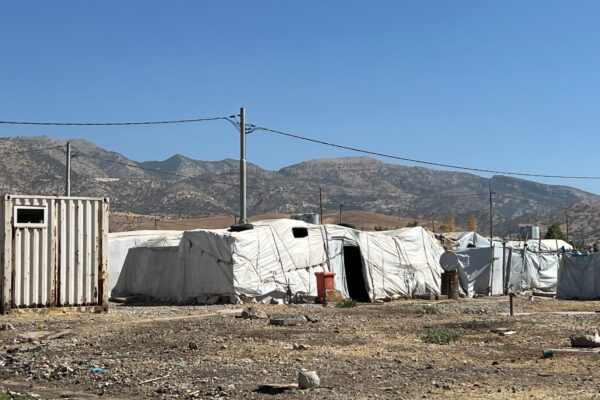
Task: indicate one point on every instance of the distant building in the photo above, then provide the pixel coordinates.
(311, 218)
(529, 232)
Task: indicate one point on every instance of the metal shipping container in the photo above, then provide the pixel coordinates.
(54, 252)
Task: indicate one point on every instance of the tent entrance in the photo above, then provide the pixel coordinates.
(355, 280)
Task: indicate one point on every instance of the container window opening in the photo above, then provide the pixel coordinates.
(28, 216)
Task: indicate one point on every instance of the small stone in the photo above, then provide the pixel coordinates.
(308, 380)
(254, 313)
(587, 339)
(193, 346)
(7, 327)
(224, 347)
(311, 318)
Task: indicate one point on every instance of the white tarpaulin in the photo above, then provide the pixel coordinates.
(523, 265)
(579, 277)
(456, 241)
(478, 274)
(152, 271)
(528, 270)
(119, 244)
(545, 245)
(265, 261)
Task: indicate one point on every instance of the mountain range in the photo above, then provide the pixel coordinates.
(184, 187)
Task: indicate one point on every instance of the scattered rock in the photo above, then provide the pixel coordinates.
(504, 331)
(308, 380)
(586, 339)
(311, 318)
(254, 313)
(193, 346)
(6, 327)
(288, 320)
(224, 347)
(297, 346)
(61, 370)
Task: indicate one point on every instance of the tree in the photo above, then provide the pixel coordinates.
(413, 224)
(450, 225)
(555, 232)
(472, 223)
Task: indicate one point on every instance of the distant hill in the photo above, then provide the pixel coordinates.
(193, 188)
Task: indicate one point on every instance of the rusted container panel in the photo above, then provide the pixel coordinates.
(54, 252)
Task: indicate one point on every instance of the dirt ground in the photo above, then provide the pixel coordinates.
(372, 351)
(120, 221)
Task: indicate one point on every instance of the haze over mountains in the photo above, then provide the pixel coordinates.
(188, 187)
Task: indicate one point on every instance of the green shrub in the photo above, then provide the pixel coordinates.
(431, 309)
(441, 335)
(346, 304)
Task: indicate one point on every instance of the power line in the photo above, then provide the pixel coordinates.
(186, 176)
(31, 150)
(405, 197)
(164, 122)
(271, 190)
(437, 164)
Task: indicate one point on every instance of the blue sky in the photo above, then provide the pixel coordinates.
(504, 85)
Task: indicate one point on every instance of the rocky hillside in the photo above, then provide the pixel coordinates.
(188, 187)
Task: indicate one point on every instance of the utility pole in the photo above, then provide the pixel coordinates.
(491, 219)
(341, 205)
(320, 206)
(567, 220)
(242, 166)
(491, 241)
(68, 172)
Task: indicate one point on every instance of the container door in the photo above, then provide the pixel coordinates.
(78, 255)
(32, 263)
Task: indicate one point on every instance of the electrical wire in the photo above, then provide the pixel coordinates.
(283, 190)
(30, 150)
(437, 164)
(164, 122)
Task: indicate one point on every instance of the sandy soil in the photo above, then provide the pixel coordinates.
(365, 220)
(366, 352)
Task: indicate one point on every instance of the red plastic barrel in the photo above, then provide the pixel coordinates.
(325, 281)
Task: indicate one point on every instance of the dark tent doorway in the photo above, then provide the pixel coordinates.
(355, 280)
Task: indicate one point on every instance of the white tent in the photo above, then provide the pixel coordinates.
(119, 244)
(579, 277)
(276, 255)
(530, 269)
(456, 241)
(151, 271)
(478, 272)
(545, 245)
(519, 265)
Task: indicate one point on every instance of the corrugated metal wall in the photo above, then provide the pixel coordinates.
(61, 264)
